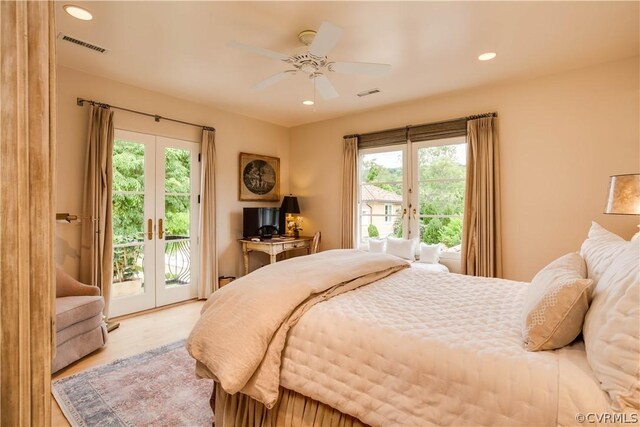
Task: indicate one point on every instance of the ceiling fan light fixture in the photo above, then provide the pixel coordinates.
(307, 102)
(78, 12)
(306, 37)
(487, 56)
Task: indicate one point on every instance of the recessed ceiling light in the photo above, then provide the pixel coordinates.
(307, 102)
(487, 56)
(78, 12)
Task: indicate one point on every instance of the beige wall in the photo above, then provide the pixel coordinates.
(561, 138)
(234, 134)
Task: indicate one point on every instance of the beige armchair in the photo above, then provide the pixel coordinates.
(80, 328)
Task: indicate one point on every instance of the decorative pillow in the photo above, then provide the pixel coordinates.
(600, 249)
(612, 329)
(429, 254)
(376, 245)
(402, 248)
(556, 302)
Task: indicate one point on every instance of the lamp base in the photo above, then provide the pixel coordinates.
(289, 225)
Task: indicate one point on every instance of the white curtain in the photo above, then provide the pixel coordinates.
(96, 245)
(349, 192)
(208, 238)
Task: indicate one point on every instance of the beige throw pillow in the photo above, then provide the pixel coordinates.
(556, 302)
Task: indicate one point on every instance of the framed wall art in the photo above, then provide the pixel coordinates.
(259, 178)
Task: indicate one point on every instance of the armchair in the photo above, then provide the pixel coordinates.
(80, 328)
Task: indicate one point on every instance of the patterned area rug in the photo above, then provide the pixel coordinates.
(157, 387)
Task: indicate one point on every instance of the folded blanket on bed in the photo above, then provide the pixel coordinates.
(239, 338)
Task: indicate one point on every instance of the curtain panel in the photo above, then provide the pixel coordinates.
(207, 232)
(481, 235)
(96, 244)
(349, 192)
(27, 210)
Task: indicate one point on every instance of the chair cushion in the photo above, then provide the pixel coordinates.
(70, 310)
(79, 328)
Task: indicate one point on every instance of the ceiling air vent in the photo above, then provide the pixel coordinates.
(82, 43)
(368, 92)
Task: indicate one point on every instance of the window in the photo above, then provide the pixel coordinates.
(439, 186)
(387, 212)
(381, 187)
(413, 190)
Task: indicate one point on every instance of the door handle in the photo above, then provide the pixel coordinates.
(149, 229)
(404, 212)
(414, 213)
(160, 229)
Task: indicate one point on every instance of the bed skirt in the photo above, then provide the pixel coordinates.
(292, 410)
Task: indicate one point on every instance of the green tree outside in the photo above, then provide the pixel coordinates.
(128, 209)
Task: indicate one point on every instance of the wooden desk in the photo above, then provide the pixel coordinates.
(273, 247)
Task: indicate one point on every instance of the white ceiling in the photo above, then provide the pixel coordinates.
(180, 48)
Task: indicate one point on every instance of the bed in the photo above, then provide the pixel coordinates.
(414, 347)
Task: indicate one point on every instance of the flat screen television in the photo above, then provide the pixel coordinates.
(260, 222)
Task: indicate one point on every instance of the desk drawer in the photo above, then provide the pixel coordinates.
(295, 245)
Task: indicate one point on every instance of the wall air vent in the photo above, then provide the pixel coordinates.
(368, 92)
(82, 43)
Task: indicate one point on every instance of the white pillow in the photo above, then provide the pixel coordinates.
(429, 254)
(600, 249)
(377, 245)
(611, 329)
(402, 248)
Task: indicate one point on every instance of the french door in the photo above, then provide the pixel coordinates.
(155, 221)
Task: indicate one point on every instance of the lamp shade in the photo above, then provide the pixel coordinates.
(624, 195)
(290, 205)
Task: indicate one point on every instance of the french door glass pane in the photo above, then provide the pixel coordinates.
(128, 219)
(177, 171)
(177, 211)
(381, 194)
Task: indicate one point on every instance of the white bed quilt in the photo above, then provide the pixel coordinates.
(421, 348)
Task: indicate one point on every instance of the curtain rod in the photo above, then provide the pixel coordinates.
(473, 117)
(80, 102)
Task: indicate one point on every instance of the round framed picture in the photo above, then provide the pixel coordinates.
(259, 177)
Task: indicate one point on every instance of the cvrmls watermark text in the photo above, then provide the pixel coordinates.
(606, 418)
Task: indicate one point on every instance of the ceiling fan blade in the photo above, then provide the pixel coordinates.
(360, 68)
(324, 87)
(260, 51)
(326, 38)
(269, 81)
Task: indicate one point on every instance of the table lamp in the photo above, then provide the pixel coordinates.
(289, 207)
(624, 196)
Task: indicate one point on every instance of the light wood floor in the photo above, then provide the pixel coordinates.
(136, 334)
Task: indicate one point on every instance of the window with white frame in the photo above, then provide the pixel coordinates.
(438, 190)
(413, 190)
(381, 192)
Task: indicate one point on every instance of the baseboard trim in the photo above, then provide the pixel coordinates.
(151, 310)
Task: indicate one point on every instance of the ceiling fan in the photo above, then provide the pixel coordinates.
(314, 62)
